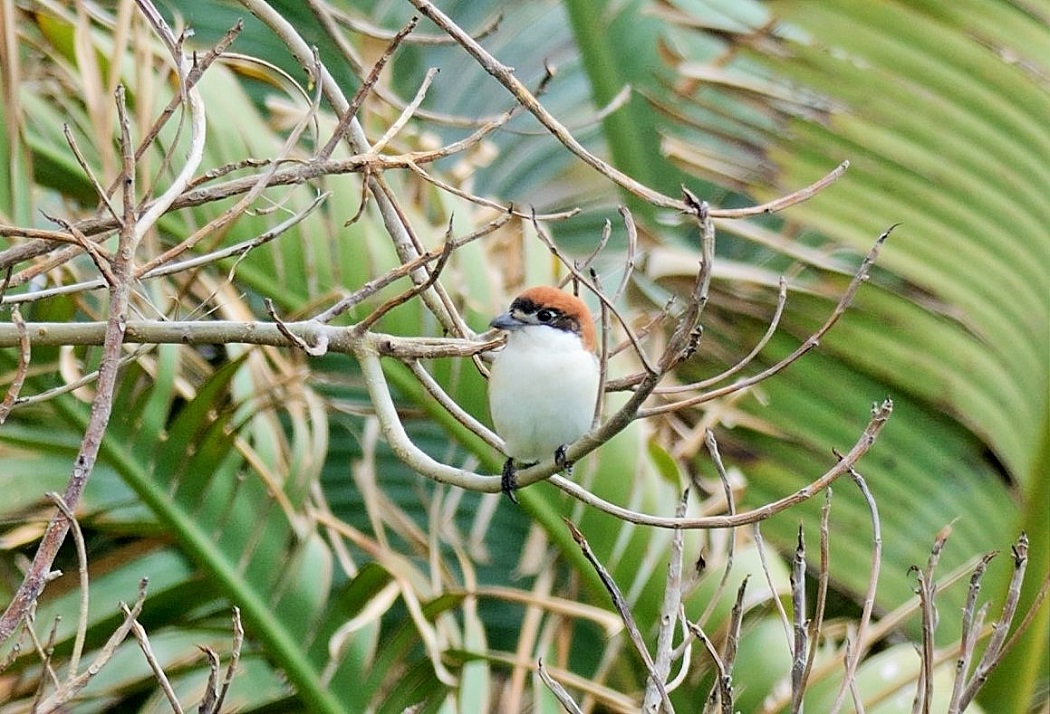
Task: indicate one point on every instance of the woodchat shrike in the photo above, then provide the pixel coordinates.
(543, 384)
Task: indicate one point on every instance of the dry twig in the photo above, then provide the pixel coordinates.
(625, 613)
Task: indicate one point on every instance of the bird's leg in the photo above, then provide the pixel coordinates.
(561, 462)
(510, 480)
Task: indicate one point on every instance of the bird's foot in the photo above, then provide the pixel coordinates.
(509, 482)
(561, 462)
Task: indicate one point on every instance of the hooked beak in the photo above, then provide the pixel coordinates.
(506, 321)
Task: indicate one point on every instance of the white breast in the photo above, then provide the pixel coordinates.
(542, 391)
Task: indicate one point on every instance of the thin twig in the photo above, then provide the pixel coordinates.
(880, 414)
(798, 617)
(557, 690)
(812, 341)
(823, 578)
(505, 76)
(370, 81)
(211, 688)
(684, 651)
(448, 404)
(672, 603)
(398, 124)
(95, 252)
(860, 647)
(44, 650)
(996, 649)
(439, 265)
(587, 262)
(318, 349)
(86, 168)
(774, 322)
(25, 354)
(683, 341)
(716, 658)
(158, 672)
(82, 570)
(630, 252)
(625, 613)
(760, 547)
(927, 591)
(57, 702)
(235, 658)
(198, 132)
(732, 646)
(723, 477)
(603, 358)
(970, 630)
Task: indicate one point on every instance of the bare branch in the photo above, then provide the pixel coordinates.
(686, 335)
(505, 76)
(625, 613)
(69, 689)
(880, 415)
(442, 397)
(798, 618)
(723, 478)
(824, 577)
(131, 233)
(860, 646)
(370, 81)
(82, 571)
(732, 646)
(996, 649)
(395, 128)
(439, 265)
(778, 605)
(668, 616)
(557, 690)
(970, 631)
(847, 297)
(158, 672)
(25, 352)
(774, 322)
(86, 168)
(927, 591)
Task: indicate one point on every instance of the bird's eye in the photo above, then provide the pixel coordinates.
(545, 315)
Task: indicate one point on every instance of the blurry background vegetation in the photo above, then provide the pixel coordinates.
(369, 587)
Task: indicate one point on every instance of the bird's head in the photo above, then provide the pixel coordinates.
(544, 307)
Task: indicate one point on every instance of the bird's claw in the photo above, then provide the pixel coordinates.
(561, 462)
(509, 482)
(509, 479)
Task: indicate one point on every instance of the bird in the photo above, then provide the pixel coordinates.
(543, 385)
